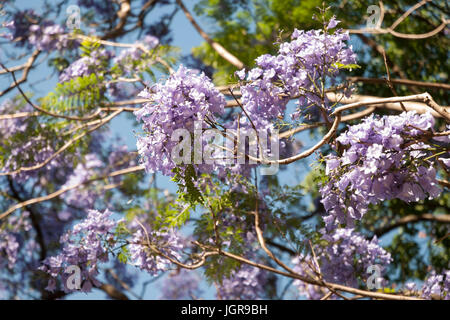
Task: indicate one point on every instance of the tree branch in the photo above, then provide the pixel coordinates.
(442, 218)
(63, 190)
(216, 46)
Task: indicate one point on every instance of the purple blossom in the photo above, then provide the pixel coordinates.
(246, 283)
(299, 69)
(180, 285)
(83, 197)
(436, 286)
(333, 23)
(142, 256)
(85, 66)
(346, 256)
(130, 60)
(86, 246)
(382, 161)
(47, 36)
(183, 99)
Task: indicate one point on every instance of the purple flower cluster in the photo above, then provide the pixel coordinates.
(305, 266)
(19, 26)
(180, 285)
(85, 246)
(184, 98)
(301, 68)
(35, 150)
(10, 234)
(436, 286)
(383, 160)
(247, 283)
(8, 127)
(48, 36)
(346, 255)
(80, 197)
(129, 60)
(9, 248)
(95, 63)
(142, 256)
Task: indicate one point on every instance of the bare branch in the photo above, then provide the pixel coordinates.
(406, 82)
(376, 295)
(66, 189)
(443, 218)
(25, 72)
(122, 14)
(390, 103)
(64, 147)
(216, 46)
(390, 30)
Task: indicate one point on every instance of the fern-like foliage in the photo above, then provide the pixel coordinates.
(75, 97)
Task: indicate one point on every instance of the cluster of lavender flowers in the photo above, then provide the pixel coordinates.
(128, 63)
(120, 158)
(301, 68)
(180, 285)
(10, 234)
(436, 286)
(183, 99)
(92, 166)
(48, 36)
(130, 58)
(81, 197)
(8, 127)
(168, 242)
(247, 283)
(346, 255)
(35, 150)
(383, 160)
(85, 246)
(19, 26)
(24, 154)
(95, 63)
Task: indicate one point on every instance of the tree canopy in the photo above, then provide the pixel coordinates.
(302, 150)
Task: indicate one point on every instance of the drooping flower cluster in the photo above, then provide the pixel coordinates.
(85, 246)
(19, 26)
(10, 233)
(120, 158)
(436, 286)
(346, 255)
(184, 98)
(81, 197)
(180, 285)
(9, 248)
(8, 127)
(95, 63)
(247, 283)
(48, 36)
(383, 160)
(35, 151)
(301, 68)
(128, 63)
(130, 58)
(142, 256)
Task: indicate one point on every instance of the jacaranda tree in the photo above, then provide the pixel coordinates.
(367, 215)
